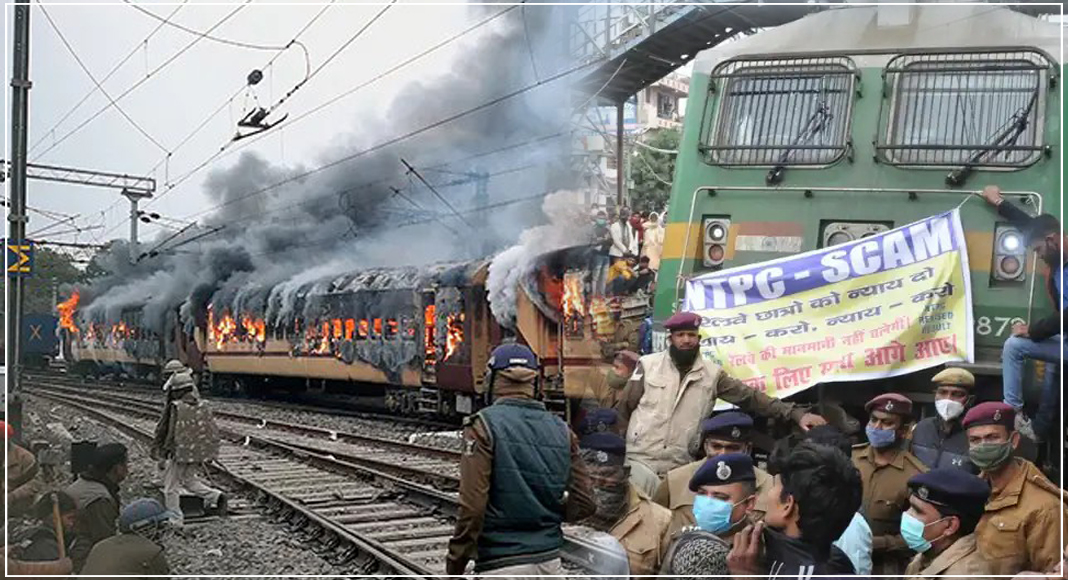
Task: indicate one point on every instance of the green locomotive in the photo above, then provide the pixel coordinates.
(856, 120)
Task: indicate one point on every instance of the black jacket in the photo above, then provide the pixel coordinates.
(787, 557)
(1049, 326)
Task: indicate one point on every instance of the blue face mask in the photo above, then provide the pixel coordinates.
(912, 532)
(880, 438)
(712, 515)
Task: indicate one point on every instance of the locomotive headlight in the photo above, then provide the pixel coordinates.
(1010, 241)
(715, 241)
(1010, 254)
(839, 238)
(835, 233)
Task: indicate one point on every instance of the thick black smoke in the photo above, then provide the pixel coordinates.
(276, 240)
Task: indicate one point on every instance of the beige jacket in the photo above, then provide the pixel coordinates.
(643, 533)
(664, 410)
(960, 559)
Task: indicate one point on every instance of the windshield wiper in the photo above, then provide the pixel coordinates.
(815, 123)
(1001, 142)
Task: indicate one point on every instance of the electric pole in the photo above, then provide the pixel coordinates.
(20, 93)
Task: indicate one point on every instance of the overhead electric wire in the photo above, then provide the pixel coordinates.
(239, 44)
(99, 86)
(113, 70)
(140, 82)
(333, 100)
(397, 139)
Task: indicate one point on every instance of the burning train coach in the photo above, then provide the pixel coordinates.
(416, 338)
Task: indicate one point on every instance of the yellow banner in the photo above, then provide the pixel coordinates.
(908, 314)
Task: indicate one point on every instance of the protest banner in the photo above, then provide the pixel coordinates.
(881, 306)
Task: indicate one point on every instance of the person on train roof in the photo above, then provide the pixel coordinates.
(671, 392)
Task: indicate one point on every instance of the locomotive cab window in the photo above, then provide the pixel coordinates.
(965, 110)
(782, 112)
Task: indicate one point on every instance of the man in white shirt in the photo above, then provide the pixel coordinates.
(624, 238)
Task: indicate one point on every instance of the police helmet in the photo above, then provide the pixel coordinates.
(142, 513)
(512, 355)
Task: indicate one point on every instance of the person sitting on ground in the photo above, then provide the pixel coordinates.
(20, 486)
(17, 567)
(137, 550)
(97, 493)
(1041, 339)
(856, 540)
(41, 542)
(1021, 528)
(816, 492)
(946, 504)
(730, 432)
(622, 510)
(645, 276)
(940, 441)
(190, 438)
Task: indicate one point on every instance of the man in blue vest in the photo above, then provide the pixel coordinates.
(940, 441)
(521, 477)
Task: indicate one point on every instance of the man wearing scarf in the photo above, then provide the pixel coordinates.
(521, 477)
(622, 510)
(671, 392)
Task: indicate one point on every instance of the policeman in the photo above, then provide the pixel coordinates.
(97, 494)
(623, 510)
(1021, 525)
(885, 468)
(189, 438)
(676, 389)
(729, 432)
(940, 441)
(136, 551)
(608, 392)
(724, 490)
(521, 476)
(945, 505)
(599, 421)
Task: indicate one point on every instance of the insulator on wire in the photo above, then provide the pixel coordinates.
(255, 77)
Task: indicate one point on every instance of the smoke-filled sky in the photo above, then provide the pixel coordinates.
(177, 98)
(333, 200)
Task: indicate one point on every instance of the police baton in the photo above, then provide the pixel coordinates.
(57, 523)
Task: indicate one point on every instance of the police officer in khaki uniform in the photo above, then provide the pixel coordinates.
(946, 504)
(669, 395)
(1021, 525)
(623, 510)
(521, 477)
(136, 550)
(885, 469)
(729, 432)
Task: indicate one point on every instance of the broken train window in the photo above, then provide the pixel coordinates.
(790, 111)
(964, 109)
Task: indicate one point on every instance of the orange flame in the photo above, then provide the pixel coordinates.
(572, 301)
(66, 312)
(429, 320)
(324, 342)
(455, 336)
(350, 328)
(363, 328)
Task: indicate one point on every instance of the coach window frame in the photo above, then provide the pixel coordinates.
(891, 102)
(717, 113)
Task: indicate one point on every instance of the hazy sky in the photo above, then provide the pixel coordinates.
(178, 97)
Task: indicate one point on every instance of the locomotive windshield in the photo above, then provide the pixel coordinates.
(965, 110)
(782, 112)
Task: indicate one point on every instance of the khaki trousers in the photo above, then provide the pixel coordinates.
(179, 476)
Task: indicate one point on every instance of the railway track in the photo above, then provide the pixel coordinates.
(373, 515)
(340, 406)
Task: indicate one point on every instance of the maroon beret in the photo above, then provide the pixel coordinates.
(890, 403)
(683, 321)
(627, 357)
(991, 413)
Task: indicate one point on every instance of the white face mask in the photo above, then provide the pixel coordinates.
(948, 409)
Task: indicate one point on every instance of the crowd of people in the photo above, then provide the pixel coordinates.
(676, 485)
(83, 527)
(627, 252)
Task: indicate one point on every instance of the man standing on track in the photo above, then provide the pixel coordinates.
(671, 392)
(521, 477)
(187, 437)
